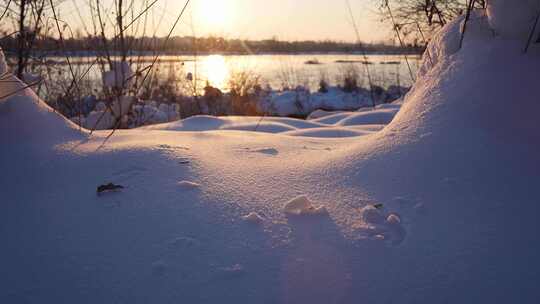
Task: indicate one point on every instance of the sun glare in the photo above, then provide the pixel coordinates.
(216, 70)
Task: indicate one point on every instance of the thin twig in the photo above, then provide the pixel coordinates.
(5, 11)
(399, 38)
(425, 42)
(61, 37)
(153, 62)
(533, 30)
(97, 59)
(362, 50)
(467, 17)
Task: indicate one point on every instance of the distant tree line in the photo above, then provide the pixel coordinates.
(191, 45)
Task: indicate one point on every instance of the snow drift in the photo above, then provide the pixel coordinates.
(25, 118)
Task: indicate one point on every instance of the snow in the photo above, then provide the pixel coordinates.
(393, 219)
(99, 120)
(187, 185)
(453, 177)
(303, 206)
(4, 69)
(253, 217)
(302, 102)
(372, 215)
(120, 75)
(343, 124)
(30, 78)
(121, 106)
(132, 112)
(513, 20)
(25, 118)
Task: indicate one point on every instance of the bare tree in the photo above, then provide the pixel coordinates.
(28, 18)
(422, 17)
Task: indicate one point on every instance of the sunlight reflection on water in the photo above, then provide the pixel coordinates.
(292, 70)
(216, 70)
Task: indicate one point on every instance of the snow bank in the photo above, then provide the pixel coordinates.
(376, 117)
(25, 118)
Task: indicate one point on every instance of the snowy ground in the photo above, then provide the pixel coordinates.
(440, 206)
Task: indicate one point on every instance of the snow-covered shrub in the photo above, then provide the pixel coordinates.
(120, 76)
(323, 86)
(99, 120)
(3, 64)
(122, 105)
(348, 79)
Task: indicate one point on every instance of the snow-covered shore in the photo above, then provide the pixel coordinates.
(298, 103)
(440, 206)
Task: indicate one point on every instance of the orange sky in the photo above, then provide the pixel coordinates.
(255, 19)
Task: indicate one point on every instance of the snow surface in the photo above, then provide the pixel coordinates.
(513, 19)
(343, 124)
(253, 217)
(440, 206)
(303, 206)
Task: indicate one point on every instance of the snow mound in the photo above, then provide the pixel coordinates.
(382, 225)
(26, 118)
(372, 215)
(303, 206)
(393, 219)
(335, 125)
